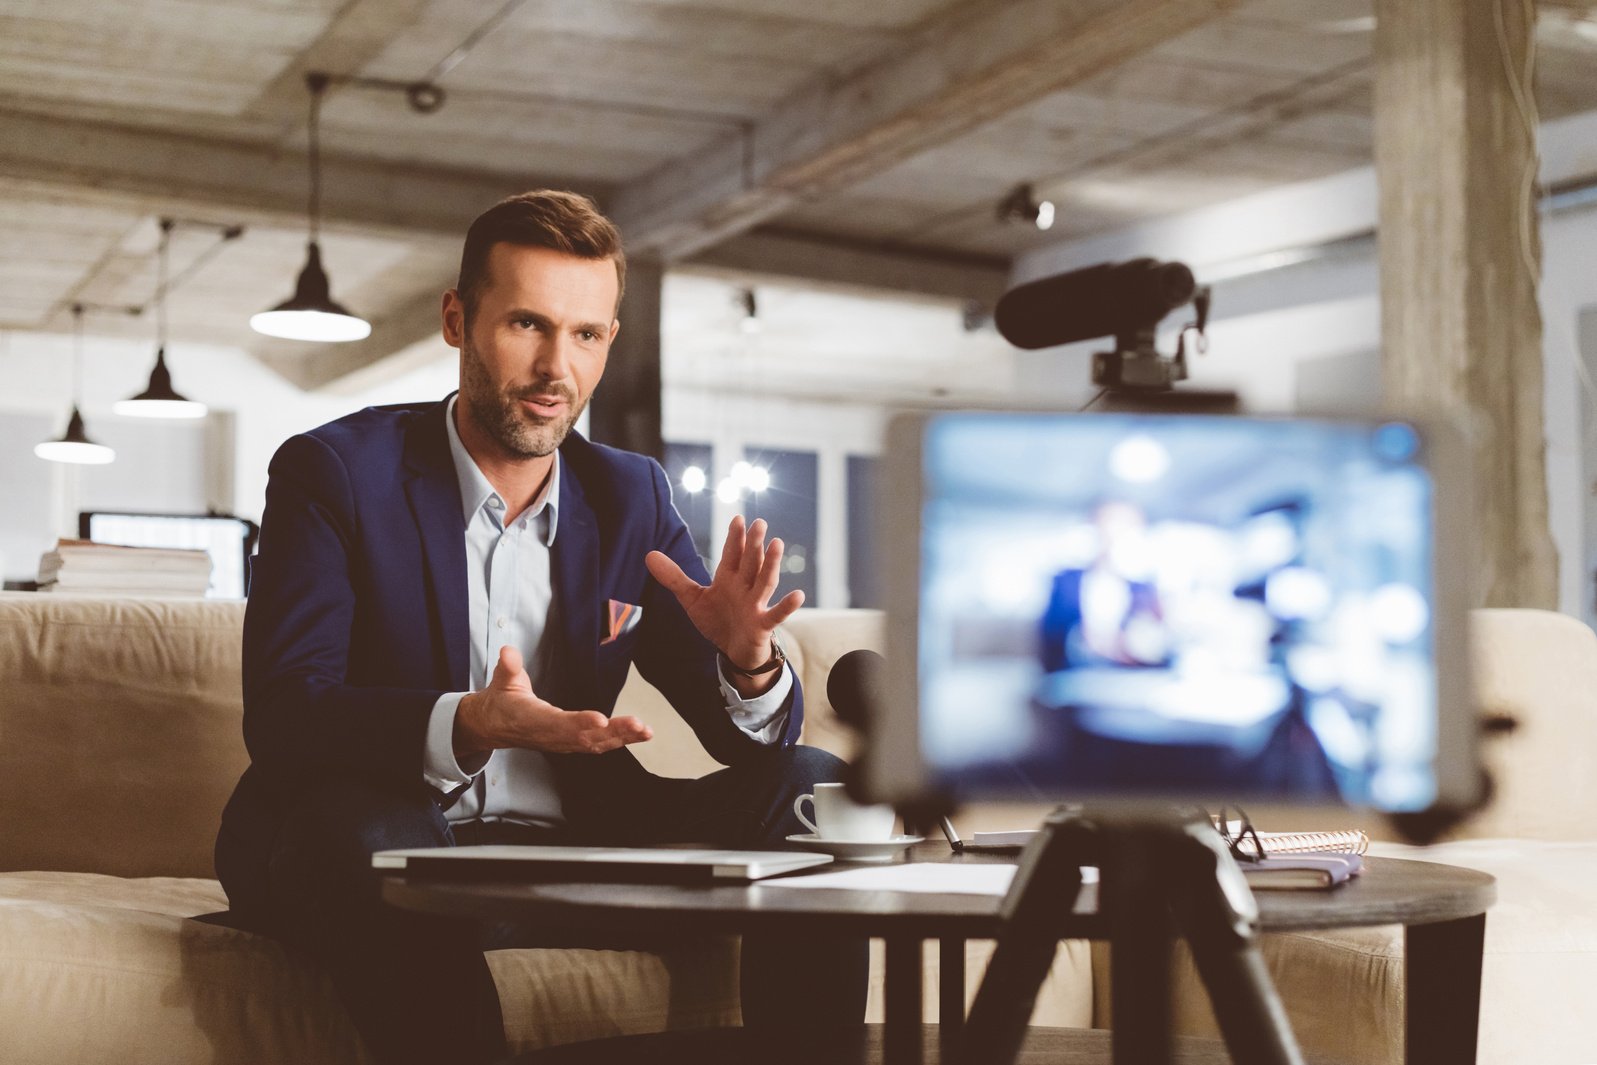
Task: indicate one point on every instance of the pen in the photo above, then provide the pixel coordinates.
(953, 836)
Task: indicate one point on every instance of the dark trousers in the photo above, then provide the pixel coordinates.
(418, 987)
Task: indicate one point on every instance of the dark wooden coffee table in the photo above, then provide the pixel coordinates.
(1442, 909)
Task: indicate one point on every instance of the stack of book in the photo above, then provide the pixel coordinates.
(1299, 860)
(89, 568)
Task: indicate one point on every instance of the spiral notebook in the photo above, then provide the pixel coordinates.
(1348, 841)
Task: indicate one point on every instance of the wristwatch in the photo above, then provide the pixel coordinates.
(778, 657)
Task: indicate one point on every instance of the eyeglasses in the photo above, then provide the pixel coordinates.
(1241, 838)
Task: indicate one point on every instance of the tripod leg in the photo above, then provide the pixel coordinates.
(1048, 880)
(1217, 914)
(1132, 899)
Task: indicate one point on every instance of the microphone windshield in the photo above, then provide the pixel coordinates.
(856, 685)
(1110, 299)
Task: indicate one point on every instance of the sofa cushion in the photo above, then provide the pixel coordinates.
(120, 732)
(103, 956)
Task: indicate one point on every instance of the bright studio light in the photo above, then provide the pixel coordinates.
(693, 480)
(78, 452)
(159, 408)
(728, 491)
(759, 478)
(310, 325)
(1139, 460)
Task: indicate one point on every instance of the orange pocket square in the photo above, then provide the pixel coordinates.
(623, 618)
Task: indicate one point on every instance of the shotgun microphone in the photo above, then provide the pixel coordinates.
(1110, 299)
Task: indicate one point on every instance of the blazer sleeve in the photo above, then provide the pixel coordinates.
(301, 718)
(674, 657)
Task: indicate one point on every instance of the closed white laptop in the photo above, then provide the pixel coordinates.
(615, 864)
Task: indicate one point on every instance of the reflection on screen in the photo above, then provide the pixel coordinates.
(1193, 606)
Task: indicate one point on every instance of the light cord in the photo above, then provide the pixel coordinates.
(160, 288)
(318, 85)
(77, 355)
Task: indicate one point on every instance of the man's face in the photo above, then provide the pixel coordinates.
(535, 347)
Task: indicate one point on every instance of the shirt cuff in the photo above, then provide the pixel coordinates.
(762, 717)
(440, 768)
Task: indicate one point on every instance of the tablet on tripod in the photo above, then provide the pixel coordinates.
(1156, 608)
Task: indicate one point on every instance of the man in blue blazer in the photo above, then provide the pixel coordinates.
(445, 604)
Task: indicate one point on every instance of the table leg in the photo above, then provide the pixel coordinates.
(1442, 992)
(902, 1037)
(951, 993)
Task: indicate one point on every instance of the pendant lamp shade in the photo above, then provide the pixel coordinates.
(159, 399)
(310, 313)
(75, 446)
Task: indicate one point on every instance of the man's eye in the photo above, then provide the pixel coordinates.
(588, 336)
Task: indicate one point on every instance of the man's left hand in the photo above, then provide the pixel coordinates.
(731, 612)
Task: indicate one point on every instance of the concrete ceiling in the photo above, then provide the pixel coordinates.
(831, 140)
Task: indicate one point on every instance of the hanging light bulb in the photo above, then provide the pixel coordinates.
(310, 313)
(75, 446)
(159, 399)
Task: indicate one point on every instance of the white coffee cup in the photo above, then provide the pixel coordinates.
(838, 818)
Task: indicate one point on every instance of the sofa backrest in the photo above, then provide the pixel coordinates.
(1540, 669)
(120, 732)
(120, 727)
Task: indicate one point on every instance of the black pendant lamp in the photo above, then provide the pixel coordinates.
(75, 446)
(160, 399)
(311, 313)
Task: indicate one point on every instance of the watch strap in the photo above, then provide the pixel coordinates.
(775, 662)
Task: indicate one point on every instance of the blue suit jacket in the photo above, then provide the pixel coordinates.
(357, 617)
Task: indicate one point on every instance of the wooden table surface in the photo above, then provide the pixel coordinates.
(1390, 891)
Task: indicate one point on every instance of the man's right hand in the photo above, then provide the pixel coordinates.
(508, 714)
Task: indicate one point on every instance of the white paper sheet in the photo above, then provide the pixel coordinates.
(928, 877)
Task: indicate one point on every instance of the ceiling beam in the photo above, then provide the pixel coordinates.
(976, 63)
(851, 266)
(356, 35)
(249, 184)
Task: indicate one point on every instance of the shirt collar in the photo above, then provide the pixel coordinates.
(475, 491)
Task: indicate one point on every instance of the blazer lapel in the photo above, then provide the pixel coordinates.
(433, 493)
(574, 578)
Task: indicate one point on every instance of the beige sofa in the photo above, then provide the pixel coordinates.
(119, 743)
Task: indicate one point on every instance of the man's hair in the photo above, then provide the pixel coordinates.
(543, 218)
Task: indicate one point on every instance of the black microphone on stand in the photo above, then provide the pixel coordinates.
(856, 687)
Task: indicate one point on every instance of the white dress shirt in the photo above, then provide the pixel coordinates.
(509, 596)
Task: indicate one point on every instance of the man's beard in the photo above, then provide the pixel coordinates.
(501, 416)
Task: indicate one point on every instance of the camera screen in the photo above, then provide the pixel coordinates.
(1177, 605)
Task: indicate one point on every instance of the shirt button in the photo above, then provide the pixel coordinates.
(494, 781)
(500, 622)
(495, 503)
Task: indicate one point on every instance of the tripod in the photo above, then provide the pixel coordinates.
(1158, 877)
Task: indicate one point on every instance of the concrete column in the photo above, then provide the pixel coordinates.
(1455, 153)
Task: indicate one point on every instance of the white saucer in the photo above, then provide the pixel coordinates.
(857, 850)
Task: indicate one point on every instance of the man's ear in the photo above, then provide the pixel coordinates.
(453, 313)
(615, 327)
